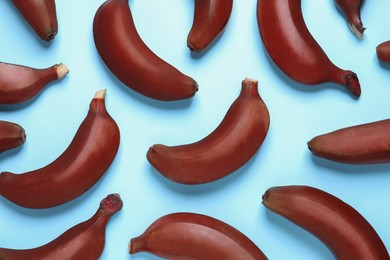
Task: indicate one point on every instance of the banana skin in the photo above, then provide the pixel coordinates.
(351, 11)
(210, 20)
(383, 51)
(83, 241)
(338, 225)
(20, 83)
(194, 236)
(360, 144)
(131, 61)
(11, 135)
(77, 169)
(290, 45)
(234, 142)
(41, 15)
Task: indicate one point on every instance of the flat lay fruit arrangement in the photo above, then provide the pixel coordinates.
(204, 129)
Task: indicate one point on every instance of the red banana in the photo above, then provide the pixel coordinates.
(292, 47)
(20, 83)
(77, 169)
(41, 15)
(194, 236)
(83, 241)
(227, 148)
(351, 10)
(361, 144)
(210, 19)
(383, 51)
(339, 226)
(129, 59)
(11, 135)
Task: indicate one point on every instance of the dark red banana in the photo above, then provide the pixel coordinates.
(194, 236)
(361, 144)
(339, 226)
(383, 51)
(210, 19)
(83, 241)
(294, 50)
(11, 135)
(77, 169)
(41, 15)
(236, 139)
(20, 83)
(351, 10)
(129, 59)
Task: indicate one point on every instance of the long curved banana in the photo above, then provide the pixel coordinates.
(77, 169)
(41, 15)
(360, 144)
(131, 61)
(194, 236)
(339, 226)
(210, 20)
(294, 50)
(83, 241)
(21, 83)
(11, 135)
(351, 11)
(227, 148)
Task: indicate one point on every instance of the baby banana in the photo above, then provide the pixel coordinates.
(41, 15)
(210, 19)
(77, 169)
(292, 47)
(83, 241)
(233, 143)
(339, 226)
(131, 61)
(11, 135)
(361, 144)
(194, 236)
(351, 10)
(20, 83)
(383, 51)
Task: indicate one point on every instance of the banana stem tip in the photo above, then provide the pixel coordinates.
(62, 70)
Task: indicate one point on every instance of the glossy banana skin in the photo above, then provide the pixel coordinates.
(21, 83)
(131, 61)
(83, 241)
(383, 51)
(41, 15)
(339, 226)
(294, 50)
(77, 169)
(194, 236)
(237, 138)
(210, 20)
(351, 11)
(11, 135)
(361, 144)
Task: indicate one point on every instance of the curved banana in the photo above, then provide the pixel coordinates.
(41, 15)
(21, 83)
(361, 144)
(194, 236)
(339, 226)
(131, 61)
(11, 135)
(383, 51)
(77, 169)
(227, 148)
(83, 241)
(210, 19)
(351, 11)
(292, 47)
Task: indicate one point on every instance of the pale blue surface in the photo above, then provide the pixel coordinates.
(298, 113)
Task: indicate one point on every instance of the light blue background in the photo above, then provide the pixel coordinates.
(298, 113)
